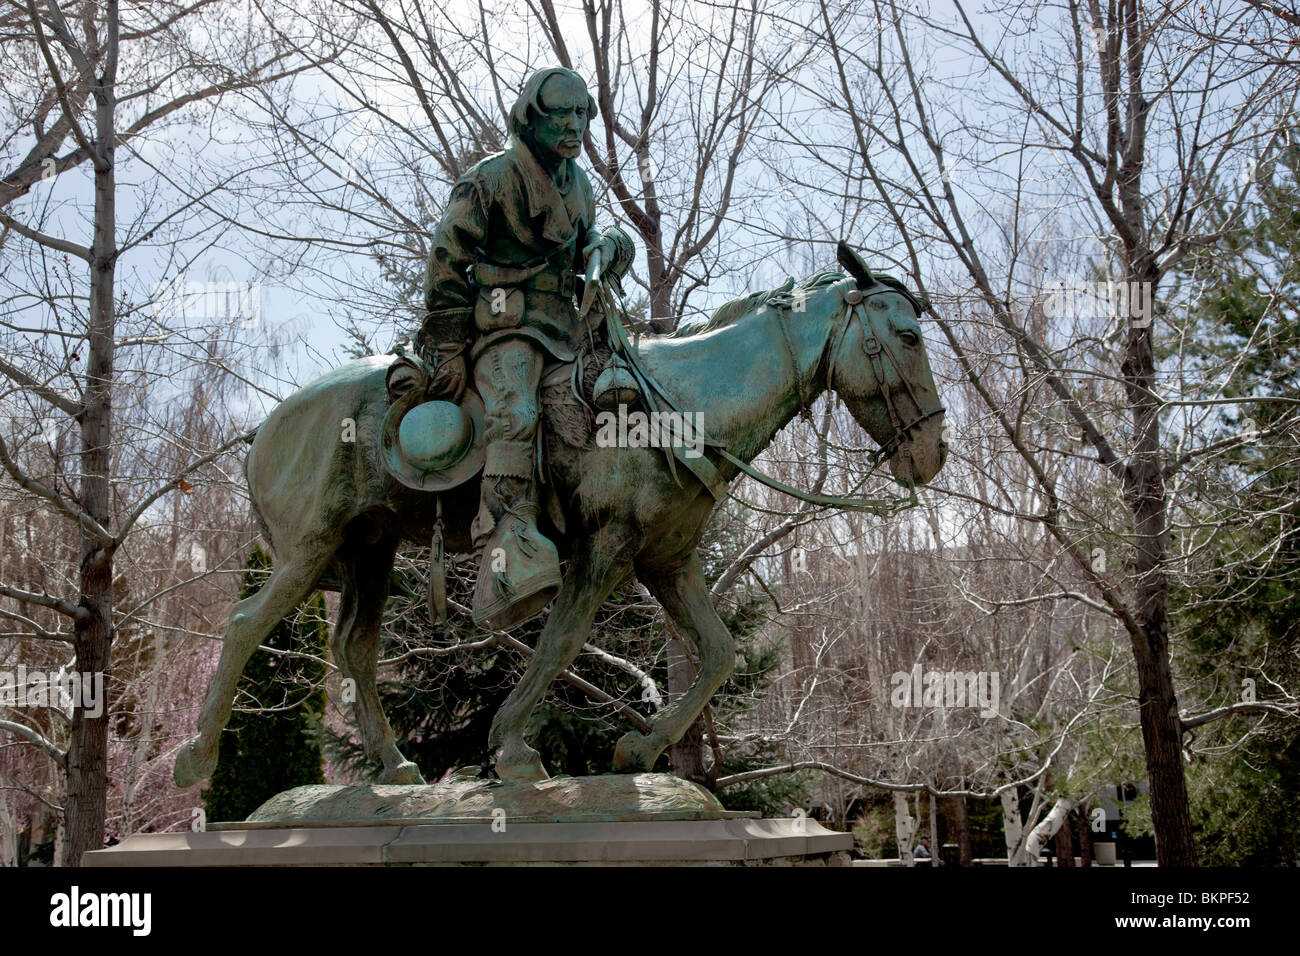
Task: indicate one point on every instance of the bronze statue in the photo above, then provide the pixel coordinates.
(499, 290)
(327, 504)
(386, 448)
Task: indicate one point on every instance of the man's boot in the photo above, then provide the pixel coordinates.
(519, 571)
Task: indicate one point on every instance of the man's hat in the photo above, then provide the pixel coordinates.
(433, 446)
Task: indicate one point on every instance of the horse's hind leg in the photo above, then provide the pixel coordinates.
(364, 567)
(685, 598)
(596, 568)
(251, 620)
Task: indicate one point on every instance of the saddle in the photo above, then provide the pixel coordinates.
(433, 445)
(436, 445)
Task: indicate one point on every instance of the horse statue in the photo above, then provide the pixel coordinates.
(328, 505)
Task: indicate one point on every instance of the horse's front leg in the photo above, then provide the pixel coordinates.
(597, 567)
(251, 621)
(685, 598)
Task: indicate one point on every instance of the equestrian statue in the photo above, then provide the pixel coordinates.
(522, 347)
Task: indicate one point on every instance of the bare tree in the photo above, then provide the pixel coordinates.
(1139, 114)
(47, 114)
(104, 78)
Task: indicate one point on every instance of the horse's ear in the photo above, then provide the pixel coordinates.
(854, 266)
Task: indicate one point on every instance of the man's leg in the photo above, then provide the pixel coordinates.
(519, 571)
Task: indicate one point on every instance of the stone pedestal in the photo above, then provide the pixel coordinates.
(611, 820)
(796, 842)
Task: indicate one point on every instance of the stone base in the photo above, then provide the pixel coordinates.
(726, 842)
(607, 798)
(648, 819)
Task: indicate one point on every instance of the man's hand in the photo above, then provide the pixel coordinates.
(607, 250)
(597, 256)
(595, 262)
(450, 379)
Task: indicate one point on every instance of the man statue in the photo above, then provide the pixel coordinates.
(499, 294)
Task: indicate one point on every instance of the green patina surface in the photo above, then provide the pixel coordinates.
(608, 798)
(330, 505)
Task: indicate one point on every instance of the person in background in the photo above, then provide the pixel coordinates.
(922, 855)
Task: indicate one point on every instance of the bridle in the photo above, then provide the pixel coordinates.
(877, 353)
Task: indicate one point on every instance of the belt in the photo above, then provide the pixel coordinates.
(550, 282)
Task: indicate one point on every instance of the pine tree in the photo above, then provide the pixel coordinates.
(1242, 617)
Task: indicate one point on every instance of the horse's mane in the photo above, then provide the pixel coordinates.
(729, 312)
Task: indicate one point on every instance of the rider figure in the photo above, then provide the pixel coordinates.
(499, 294)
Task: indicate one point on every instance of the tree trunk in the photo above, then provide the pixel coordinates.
(1161, 733)
(1050, 825)
(686, 757)
(1064, 846)
(1157, 702)
(936, 845)
(903, 827)
(961, 823)
(662, 319)
(58, 833)
(1012, 827)
(11, 835)
(1144, 477)
(1085, 837)
(85, 805)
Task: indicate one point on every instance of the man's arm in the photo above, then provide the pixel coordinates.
(616, 250)
(448, 299)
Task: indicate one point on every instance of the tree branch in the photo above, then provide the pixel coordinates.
(62, 402)
(53, 497)
(74, 611)
(59, 756)
(1259, 707)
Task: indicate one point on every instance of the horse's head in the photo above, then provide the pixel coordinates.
(877, 364)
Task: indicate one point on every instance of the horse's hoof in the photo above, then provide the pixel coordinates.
(635, 752)
(405, 773)
(189, 770)
(525, 767)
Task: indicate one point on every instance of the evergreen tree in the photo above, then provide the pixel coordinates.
(1242, 614)
(441, 704)
(272, 741)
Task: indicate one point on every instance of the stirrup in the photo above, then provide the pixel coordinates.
(519, 572)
